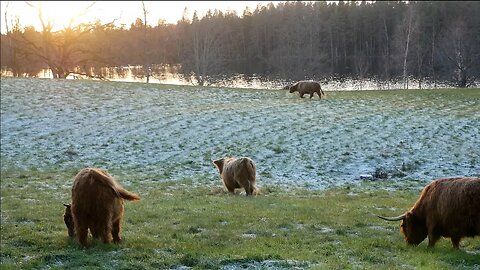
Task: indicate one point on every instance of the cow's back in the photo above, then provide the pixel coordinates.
(241, 165)
(239, 169)
(93, 199)
(308, 87)
(454, 206)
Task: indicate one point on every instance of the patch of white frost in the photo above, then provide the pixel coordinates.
(162, 133)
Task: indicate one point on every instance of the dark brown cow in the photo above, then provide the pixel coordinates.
(97, 204)
(307, 87)
(238, 173)
(68, 219)
(448, 207)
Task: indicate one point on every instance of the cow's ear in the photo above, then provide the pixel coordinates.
(219, 164)
(218, 161)
(67, 205)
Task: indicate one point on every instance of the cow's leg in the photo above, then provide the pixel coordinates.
(249, 190)
(229, 185)
(320, 92)
(82, 234)
(106, 235)
(456, 242)
(311, 94)
(301, 95)
(96, 232)
(106, 229)
(116, 228)
(432, 239)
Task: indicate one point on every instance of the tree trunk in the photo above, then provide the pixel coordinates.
(462, 78)
(409, 26)
(433, 54)
(387, 52)
(146, 67)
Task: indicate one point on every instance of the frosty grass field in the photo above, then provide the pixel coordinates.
(165, 132)
(328, 166)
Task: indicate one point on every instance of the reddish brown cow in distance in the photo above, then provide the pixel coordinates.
(237, 173)
(448, 207)
(307, 87)
(97, 204)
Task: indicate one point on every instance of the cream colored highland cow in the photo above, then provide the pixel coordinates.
(238, 173)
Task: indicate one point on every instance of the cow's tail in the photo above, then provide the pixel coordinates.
(127, 195)
(108, 180)
(322, 93)
(251, 168)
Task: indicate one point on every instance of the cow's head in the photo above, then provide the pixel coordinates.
(68, 218)
(412, 227)
(293, 88)
(219, 164)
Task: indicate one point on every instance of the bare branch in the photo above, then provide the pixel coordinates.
(6, 21)
(79, 14)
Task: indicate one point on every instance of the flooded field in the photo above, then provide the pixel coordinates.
(155, 132)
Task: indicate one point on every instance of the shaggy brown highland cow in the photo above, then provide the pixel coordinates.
(97, 204)
(238, 173)
(307, 87)
(448, 207)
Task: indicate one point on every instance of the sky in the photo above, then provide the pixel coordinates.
(124, 11)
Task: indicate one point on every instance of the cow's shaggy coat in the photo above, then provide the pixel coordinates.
(238, 173)
(307, 87)
(97, 205)
(448, 207)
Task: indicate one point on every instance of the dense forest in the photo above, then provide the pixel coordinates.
(427, 41)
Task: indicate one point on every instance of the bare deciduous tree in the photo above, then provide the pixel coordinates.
(146, 66)
(454, 48)
(204, 42)
(408, 29)
(62, 51)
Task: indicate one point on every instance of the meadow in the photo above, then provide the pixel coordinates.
(325, 169)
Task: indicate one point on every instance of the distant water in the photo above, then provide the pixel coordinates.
(169, 75)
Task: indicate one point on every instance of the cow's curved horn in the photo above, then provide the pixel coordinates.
(392, 218)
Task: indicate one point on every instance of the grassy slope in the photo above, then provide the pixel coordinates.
(174, 225)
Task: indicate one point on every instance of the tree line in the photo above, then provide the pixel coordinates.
(427, 41)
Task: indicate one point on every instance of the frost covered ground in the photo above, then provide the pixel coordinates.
(166, 132)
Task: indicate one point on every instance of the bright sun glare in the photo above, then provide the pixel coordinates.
(60, 13)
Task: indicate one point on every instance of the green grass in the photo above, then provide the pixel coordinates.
(205, 228)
